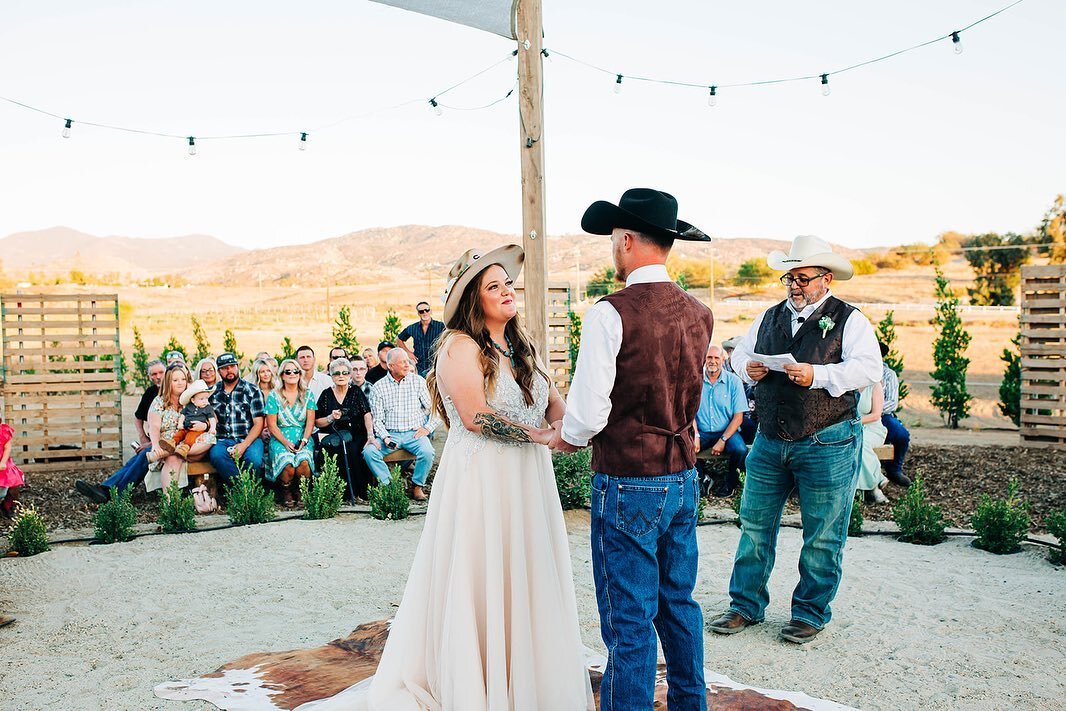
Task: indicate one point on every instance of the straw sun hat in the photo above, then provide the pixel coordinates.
(811, 251)
(472, 263)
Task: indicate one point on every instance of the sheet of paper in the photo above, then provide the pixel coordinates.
(774, 362)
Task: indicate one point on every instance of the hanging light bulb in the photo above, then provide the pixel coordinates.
(436, 107)
(303, 141)
(66, 128)
(825, 85)
(618, 85)
(192, 146)
(956, 42)
(712, 98)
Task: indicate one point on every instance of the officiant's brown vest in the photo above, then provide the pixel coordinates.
(665, 334)
(787, 411)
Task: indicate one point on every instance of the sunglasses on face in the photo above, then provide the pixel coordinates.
(290, 372)
(801, 279)
(423, 311)
(340, 373)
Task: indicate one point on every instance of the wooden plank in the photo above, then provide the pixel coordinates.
(48, 298)
(33, 400)
(12, 355)
(66, 388)
(1058, 421)
(89, 441)
(1030, 271)
(59, 338)
(57, 311)
(62, 378)
(75, 452)
(108, 463)
(16, 321)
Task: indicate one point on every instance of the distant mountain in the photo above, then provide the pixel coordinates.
(58, 250)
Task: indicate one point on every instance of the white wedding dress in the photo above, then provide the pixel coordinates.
(488, 620)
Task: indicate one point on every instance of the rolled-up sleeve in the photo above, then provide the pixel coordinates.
(589, 400)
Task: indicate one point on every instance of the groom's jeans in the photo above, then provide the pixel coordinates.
(823, 468)
(644, 560)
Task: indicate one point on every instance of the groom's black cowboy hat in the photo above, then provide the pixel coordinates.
(651, 212)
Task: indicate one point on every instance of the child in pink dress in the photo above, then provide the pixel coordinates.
(11, 477)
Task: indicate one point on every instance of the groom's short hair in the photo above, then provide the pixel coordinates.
(662, 243)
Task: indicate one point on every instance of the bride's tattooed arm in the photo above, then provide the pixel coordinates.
(495, 427)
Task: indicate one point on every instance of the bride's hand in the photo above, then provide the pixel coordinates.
(541, 435)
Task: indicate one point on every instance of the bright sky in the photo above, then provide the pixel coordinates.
(900, 151)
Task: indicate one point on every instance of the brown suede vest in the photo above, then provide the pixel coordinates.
(665, 334)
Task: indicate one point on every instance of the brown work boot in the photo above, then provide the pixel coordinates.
(799, 632)
(167, 446)
(418, 494)
(182, 450)
(729, 623)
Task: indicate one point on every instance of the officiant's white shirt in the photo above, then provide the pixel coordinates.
(588, 403)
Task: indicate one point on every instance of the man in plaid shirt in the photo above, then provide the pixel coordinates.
(240, 409)
(403, 419)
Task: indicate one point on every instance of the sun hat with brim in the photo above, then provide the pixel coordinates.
(651, 212)
(811, 251)
(197, 387)
(472, 263)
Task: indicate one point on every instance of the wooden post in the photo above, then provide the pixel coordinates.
(531, 127)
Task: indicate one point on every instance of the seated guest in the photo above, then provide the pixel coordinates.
(380, 370)
(313, 379)
(264, 356)
(344, 411)
(359, 371)
(424, 333)
(370, 357)
(207, 371)
(728, 346)
(266, 379)
(870, 480)
(336, 352)
(722, 408)
(290, 412)
(164, 420)
(240, 409)
(173, 357)
(155, 371)
(402, 416)
(897, 434)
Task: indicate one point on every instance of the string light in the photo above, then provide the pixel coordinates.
(618, 85)
(303, 141)
(956, 42)
(66, 128)
(825, 85)
(192, 146)
(436, 107)
(712, 98)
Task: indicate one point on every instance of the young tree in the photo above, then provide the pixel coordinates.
(344, 332)
(203, 347)
(602, 282)
(1010, 389)
(753, 273)
(288, 350)
(140, 360)
(573, 333)
(173, 345)
(886, 333)
(949, 396)
(1052, 231)
(392, 327)
(229, 345)
(997, 271)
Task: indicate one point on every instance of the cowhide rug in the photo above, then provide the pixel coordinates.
(284, 680)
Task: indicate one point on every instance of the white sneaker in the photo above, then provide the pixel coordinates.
(879, 496)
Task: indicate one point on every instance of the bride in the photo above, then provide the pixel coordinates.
(488, 620)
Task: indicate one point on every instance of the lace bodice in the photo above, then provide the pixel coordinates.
(507, 400)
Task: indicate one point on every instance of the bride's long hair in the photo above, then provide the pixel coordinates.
(469, 320)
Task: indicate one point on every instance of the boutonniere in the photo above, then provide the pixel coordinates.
(826, 324)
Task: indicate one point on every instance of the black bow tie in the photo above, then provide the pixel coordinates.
(800, 319)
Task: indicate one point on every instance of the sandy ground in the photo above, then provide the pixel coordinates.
(915, 627)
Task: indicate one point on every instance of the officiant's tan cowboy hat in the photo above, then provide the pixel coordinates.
(197, 387)
(472, 263)
(811, 251)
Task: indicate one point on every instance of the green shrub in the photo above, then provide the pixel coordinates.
(389, 500)
(28, 535)
(322, 498)
(856, 521)
(1055, 523)
(177, 512)
(739, 494)
(1001, 524)
(573, 477)
(115, 519)
(701, 507)
(919, 521)
(247, 500)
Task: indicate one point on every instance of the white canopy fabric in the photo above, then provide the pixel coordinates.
(495, 16)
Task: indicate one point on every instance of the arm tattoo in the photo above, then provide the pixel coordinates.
(497, 428)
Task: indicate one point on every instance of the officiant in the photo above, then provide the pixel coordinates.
(809, 437)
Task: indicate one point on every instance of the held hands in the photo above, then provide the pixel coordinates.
(802, 374)
(557, 443)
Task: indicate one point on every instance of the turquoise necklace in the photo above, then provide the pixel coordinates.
(509, 353)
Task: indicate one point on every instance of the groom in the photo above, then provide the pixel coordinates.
(641, 424)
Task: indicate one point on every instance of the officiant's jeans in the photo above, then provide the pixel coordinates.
(823, 468)
(644, 560)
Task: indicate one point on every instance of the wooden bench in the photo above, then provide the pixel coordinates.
(398, 456)
(200, 473)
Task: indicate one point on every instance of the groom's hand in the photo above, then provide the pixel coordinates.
(559, 444)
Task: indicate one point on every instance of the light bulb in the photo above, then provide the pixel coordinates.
(712, 98)
(192, 146)
(66, 128)
(303, 141)
(618, 85)
(436, 107)
(825, 85)
(957, 42)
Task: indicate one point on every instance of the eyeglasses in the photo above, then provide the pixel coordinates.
(290, 372)
(423, 311)
(341, 372)
(801, 279)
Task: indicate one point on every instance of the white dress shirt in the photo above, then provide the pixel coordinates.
(860, 364)
(318, 383)
(588, 403)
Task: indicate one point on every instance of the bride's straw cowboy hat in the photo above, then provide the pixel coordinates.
(651, 212)
(472, 263)
(811, 251)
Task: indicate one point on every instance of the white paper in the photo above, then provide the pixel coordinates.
(774, 362)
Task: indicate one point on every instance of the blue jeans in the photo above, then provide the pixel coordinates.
(421, 447)
(823, 468)
(225, 466)
(900, 439)
(644, 559)
(131, 473)
(735, 450)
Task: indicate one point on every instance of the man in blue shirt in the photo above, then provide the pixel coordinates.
(722, 408)
(424, 333)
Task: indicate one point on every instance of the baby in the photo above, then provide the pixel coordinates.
(196, 407)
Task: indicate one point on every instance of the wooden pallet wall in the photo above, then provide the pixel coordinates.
(558, 357)
(1043, 352)
(61, 383)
